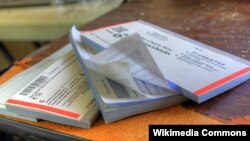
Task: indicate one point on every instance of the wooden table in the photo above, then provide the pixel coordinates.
(223, 24)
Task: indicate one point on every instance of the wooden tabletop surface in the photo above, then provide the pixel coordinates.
(222, 24)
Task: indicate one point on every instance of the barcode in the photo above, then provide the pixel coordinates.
(119, 29)
(118, 89)
(34, 85)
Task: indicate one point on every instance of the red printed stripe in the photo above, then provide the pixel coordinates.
(45, 108)
(221, 81)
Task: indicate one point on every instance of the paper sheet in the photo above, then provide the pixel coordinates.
(13, 85)
(60, 89)
(131, 50)
(119, 65)
(196, 70)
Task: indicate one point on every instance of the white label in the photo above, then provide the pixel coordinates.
(60, 89)
(183, 62)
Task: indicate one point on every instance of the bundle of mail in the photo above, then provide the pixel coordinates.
(124, 70)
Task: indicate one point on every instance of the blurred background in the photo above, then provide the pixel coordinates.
(26, 25)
